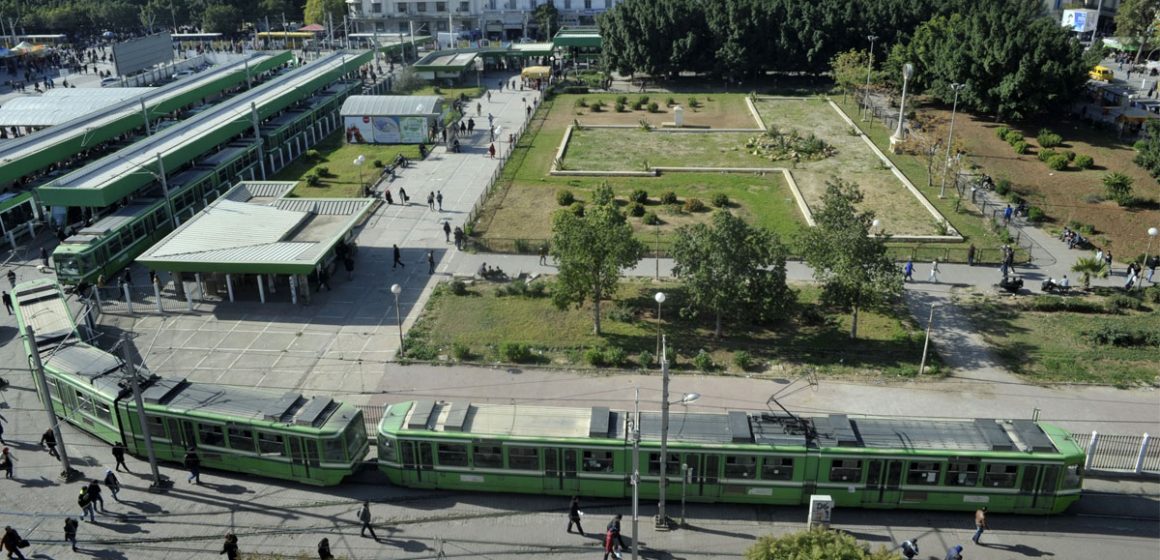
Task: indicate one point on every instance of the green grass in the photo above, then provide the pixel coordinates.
(605, 149)
(889, 343)
(1053, 347)
(450, 94)
(339, 157)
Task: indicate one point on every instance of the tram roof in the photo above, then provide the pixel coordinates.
(253, 228)
(731, 427)
(41, 305)
(184, 397)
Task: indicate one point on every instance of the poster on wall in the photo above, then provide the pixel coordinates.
(385, 130)
(414, 129)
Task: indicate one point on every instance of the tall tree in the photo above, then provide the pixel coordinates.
(1149, 155)
(811, 544)
(591, 251)
(548, 18)
(731, 269)
(219, 18)
(849, 69)
(1140, 21)
(852, 265)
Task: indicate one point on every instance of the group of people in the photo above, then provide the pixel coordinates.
(1073, 238)
(908, 271)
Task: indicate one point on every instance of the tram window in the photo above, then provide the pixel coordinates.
(102, 411)
(387, 449)
(925, 472)
(1001, 476)
(114, 244)
(740, 466)
(138, 230)
(271, 444)
(524, 458)
(68, 266)
(453, 454)
(52, 388)
(963, 474)
(156, 427)
(487, 456)
(776, 468)
(84, 403)
(654, 464)
(846, 470)
(597, 461)
(1071, 478)
(356, 436)
(209, 434)
(333, 450)
(241, 439)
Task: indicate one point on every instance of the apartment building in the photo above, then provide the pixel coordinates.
(505, 20)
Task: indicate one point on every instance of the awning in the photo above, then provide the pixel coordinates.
(313, 28)
(536, 72)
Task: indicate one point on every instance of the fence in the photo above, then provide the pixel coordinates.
(158, 298)
(494, 180)
(372, 415)
(1120, 453)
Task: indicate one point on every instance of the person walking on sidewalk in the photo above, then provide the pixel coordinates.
(70, 531)
(933, 272)
(908, 271)
(95, 494)
(430, 262)
(8, 302)
(980, 523)
(48, 440)
(86, 504)
(403, 197)
(324, 549)
(491, 151)
(574, 515)
(6, 461)
(909, 548)
(44, 256)
(439, 199)
(1108, 260)
(230, 547)
(112, 483)
(364, 515)
(955, 552)
(11, 543)
(470, 127)
(431, 201)
(447, 232)
(398, 257)
(193, 463)
(971, 255)
(544, 254)
(119, 456)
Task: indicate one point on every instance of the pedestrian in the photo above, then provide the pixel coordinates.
(119, 455)
(613, 541)
(491, 151)
(1007, 214)
(458, 238)
(95, 494)
(6, 461)
(971, 255)
(980, 523)
(470, 126)
(324, 549)
(8, 302)
(1003, 269)
(1152, 263)
(479, 106)
(955, 552)
(908, 271)
(403, 196)
(490, 121)
(86, 504)
(1108, 259)
(112, 484)
(323, 279)
(910, 548)
(193, 463)
(348, 264)
(128, 277)
(387, 196)
(462, 128)
(528, 110)
(230, 547)
(430, 262)
(398, 257)
(447, 232)
(12, 277)
(574, 515)
(439, 199)
(12, 543)
(364, 515)
(70, 531)
(431, 201)
(44, 256)
(544, 254)
(933, 272)
(49, 440)
(2, 442)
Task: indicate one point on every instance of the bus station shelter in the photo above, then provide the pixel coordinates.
(255, 235)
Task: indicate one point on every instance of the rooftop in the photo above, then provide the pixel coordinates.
(383, 105)
(58, 106)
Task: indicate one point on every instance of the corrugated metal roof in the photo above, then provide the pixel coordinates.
(322, 206)
(383, 105)
(247, 190)
(228, 224)
(57, 106)
(115, 220)
(84, 360)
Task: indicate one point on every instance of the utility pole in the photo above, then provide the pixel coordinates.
(145, 115)
(636, 476)
(258, 137)
(131, 369)
(165, 191)
(662, 521)
(67, 473)
(926, 344)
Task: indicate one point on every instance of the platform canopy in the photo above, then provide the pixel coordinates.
(61, 105)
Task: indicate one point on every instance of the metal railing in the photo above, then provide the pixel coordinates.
(1120, 453)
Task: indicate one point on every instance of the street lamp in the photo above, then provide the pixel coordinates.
(660, 298)
(900, 132)
(950, 135)
(869, 69)
(662, 520)
(1152, 233)
(926, 344)
(397, 289)
(358, 162)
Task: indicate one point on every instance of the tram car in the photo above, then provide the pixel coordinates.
(1015, 466)
(314, 440)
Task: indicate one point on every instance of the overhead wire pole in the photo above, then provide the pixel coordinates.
(662, 521)
(636, 476)
(42, 386)
(145, 115)
(258, 137)
(131, 369)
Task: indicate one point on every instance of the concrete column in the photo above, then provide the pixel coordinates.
(128, 300)
(306, 288)
(294, 289)
(261, 289)
(230, 286)
(178, 285)
(200, 286)
(157, 294)
(272, 283)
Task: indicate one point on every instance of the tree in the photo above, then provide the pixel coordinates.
(1118, 187)
(220, 18)
(731, 268)
(849, 69)
(1149, 155)
(1136, 19)
(548, 18)
(814, 544)
(1087, 267)
(591, 251)
(316, 11)
(852, 266)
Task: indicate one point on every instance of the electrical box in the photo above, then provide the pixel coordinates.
(820, 509)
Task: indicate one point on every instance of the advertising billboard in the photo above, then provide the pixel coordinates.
(145, 52)
(385, 130)
(1080, 21)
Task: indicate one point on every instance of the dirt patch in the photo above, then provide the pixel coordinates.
(715, 111)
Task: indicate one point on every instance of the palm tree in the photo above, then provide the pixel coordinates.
(1088, 267)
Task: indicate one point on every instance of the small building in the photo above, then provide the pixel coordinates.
(392, 119)
(255, 238)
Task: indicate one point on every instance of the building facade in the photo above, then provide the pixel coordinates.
(504, 20)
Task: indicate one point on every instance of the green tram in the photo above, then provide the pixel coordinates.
(1017, 466)
(313, 440)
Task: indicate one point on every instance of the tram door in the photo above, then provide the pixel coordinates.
(1037, 490)
(303, 456)
(703, 479)
(418, 461)
(882, 482)
(181, 433)
(560, 470)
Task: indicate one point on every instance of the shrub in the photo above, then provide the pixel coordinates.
(312, 154)
(721, 200)
(1021, 147)
(1070, 155)
(1048, 139)
(694, 205)
(743, 360)
(577, 209)
(1118, 303)
(645, 359)
(669, 197)
(669, 101)
(1048, 304)
(597, 106)
(513, 289)
(622, 313)
(457, 287)
(671, 356)
(642, 100)
(378, 163)
(1057, 162)
(615, 356)
(1045, 154)
(581, 102)
(1084, 162)
(1013, 137)
(651, 219)
(1001, 132)
(515, 352)
(1118, 187)
(1109, 335)
(1002, 187)
(323, 171)
(313, 180)
(460, 351)
(653, 107)
(703, 361)
(620, 107)
(638, 195)
(622, 100)
(693, 103)
(565, 197)
(594, 357)
(636, 210)
(1139, 145)
(1036, 215)
(1152, 294)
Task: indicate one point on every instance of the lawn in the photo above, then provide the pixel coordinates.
(719, 110)
(635, 149)
(1058, 347)
(473, 326)
(338, 157)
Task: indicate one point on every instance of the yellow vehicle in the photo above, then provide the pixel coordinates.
(1101, 73)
